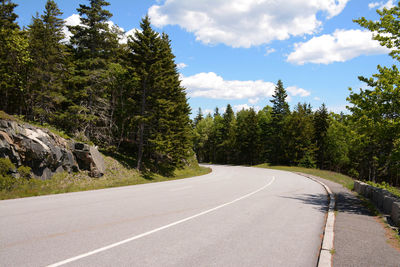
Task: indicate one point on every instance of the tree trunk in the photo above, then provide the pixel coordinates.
(141, 128)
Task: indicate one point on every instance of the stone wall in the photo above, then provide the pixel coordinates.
(383, 200)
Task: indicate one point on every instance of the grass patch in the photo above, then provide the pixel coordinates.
(116, 174)
(5, 116)
(339, 178)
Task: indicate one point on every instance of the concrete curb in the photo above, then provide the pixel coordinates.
(327, 248)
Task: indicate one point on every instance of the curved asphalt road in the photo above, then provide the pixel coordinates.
(235, 216)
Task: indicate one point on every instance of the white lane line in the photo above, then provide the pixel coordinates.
(158, 229)
(180, 188)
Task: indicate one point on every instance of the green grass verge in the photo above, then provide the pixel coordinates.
(117, 174)
(339, 178)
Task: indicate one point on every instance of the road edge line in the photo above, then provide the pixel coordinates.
(327, 247)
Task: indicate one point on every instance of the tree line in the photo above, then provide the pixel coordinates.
(95, 87)
(356, 144)
(365, 143)
(128, 97)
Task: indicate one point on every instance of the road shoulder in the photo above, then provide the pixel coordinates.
(360, 239)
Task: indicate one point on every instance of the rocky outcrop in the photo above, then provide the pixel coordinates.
(89, 158)
(45, 152)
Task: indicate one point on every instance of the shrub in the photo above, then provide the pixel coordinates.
(25, 172)
(6, 166)
(307, 161)
(6, 182)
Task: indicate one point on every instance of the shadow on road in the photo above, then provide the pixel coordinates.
(318, 201)
(348, 203)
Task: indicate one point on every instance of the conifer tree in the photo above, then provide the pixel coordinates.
(14, 58)
(247, 135)
(229, 133)
(46, 73)
(145, 59)
(93, 44)
(162, 120)
(280, 110)
(198, 117)
(321, 125)
(299, 137)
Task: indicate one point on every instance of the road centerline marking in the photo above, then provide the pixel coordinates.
(81, 256)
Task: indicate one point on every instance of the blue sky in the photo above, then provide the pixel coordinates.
(234, 51)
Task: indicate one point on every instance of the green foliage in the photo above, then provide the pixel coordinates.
(94, 88)
(394, 190)
(24, 172)
(7, 182)
(48, 67)
(386, 29)
(307, 161)
(6, 166)
(277, 137)
(162, 114)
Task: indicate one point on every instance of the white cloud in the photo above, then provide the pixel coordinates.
(72, 20)
(373, 5)
(75, 20)
(340, 46)
(240, 107)
(181, 65)
(245, 23)
(294, 91)
(381, 5)
(254, 100)
(317, 98)
(269, 51)
(208, 111)
(210, 85)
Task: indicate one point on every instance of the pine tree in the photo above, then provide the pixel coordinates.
(248, 137)
(321, 125)
(280, 110)
(45, 86)
(299, 137)
(93, 44)
(198, 117)
(264, 121)
(14, 59)
(229, 133)
(162, 121)
(145, 59)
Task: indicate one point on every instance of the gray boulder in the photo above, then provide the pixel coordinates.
(89, 158)
(45, 152)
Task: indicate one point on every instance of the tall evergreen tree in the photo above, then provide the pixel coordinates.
(14, 58)
(264, 120)
(93, 44)
(229, 133)
(164, 132)
(247, 136)
(45, 87)
(299, 137)
(198, 117)
(321, 125)
(145, 59)
(280, 110)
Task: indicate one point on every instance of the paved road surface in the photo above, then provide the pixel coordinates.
(235, 216)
